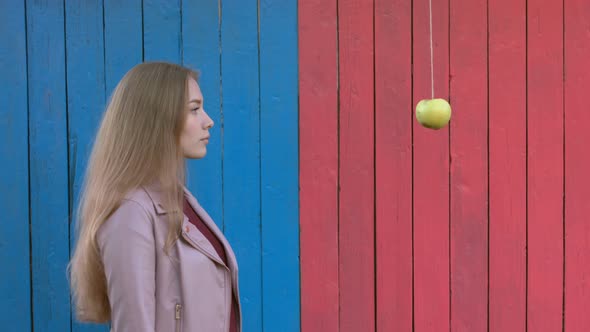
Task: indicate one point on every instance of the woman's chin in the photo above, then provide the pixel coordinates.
(196, 154)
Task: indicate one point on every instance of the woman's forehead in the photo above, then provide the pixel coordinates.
(194, 91)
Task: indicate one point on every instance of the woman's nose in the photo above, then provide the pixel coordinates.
(208, 122)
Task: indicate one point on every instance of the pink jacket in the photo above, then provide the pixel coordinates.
(190, 290)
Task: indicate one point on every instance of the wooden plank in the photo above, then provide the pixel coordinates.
(469, 167)
(162, 35)
(507, 155)
(356, 150)
(393, 164)
(123, 48)
(200, 49)
(431, 173)
(577, 163)
(318, 174)
(86, 99)
(241, 150)
(15, 282)
(48, 152)
(545, 165)
(279, 149)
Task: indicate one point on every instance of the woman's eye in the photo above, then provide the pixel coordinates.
(196, 109)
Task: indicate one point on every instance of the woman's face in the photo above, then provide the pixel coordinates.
(195, 134)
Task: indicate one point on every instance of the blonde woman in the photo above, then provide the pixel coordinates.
(148, 257)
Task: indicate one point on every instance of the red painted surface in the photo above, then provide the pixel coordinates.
(431, 174)
(467, 221)
(545, 165)
(469, 155)
(318, 89)
(393, 159)
(507, 168)
(356, 200)
(577, 164)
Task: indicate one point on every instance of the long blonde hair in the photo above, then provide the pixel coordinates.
(137, 144)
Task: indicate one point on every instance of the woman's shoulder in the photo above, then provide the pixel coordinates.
(132, 214)
(130, 225)
(139, 198)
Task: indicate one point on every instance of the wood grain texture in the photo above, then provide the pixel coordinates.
(86, 100)
(469, 166)
(318, 173)
(545, 165)
(391, 220)
(162, 35)
(577, 163)
(48, 162)
(201, 52)
(431, 173)
(507, 169)
(279, 165)
(15, 281)
(356, 151)
(123, 40)
(241, 150)
(393, 165)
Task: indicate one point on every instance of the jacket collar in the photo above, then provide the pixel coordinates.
(189, 232)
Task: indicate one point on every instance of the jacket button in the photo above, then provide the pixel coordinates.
(187, 229)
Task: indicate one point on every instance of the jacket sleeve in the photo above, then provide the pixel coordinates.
(127, 247)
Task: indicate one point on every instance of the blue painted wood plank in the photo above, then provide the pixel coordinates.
(48, 165)
(200, 28)
(241, 149)
(279, 165)
(86, 97)
(162, 30)
(123, 46)
(15, 281)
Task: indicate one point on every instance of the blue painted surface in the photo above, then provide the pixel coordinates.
(248, 182)
(48, 165)
(86, 98)
(279, 165)
(162, 30)
(241, 149)
(200, 28)
(123, 46)
(15, 282)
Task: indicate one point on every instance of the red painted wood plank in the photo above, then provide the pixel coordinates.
(356, 205)
(469, 166)
(318, 135)
(577, 163)
(431, 174)
(393, 133)
(507, 135)
(545, 165)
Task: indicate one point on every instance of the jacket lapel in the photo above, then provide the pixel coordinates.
(197, 240)
(211, 224)
(231, 258)
(189, 232)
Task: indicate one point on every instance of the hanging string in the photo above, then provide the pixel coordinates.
(431, 52)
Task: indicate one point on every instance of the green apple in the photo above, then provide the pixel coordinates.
(433, 113)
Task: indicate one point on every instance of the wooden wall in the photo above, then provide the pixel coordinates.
(60, 60)
(345, 213)
(481, 226)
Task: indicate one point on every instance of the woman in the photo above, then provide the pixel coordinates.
(148, 257)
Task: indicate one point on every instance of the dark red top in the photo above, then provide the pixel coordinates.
(194, 219)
